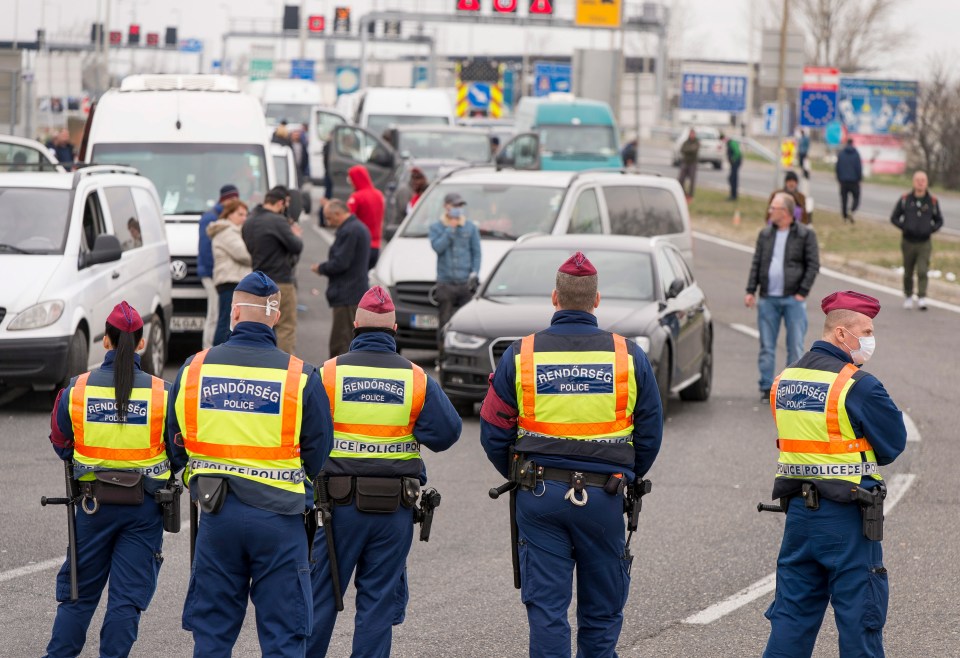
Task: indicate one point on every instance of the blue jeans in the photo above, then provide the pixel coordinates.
(770, 311)
(225, 307)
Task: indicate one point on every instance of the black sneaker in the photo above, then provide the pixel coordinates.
(765, 395)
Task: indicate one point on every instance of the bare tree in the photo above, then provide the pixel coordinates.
(849, 34)
(935, 142)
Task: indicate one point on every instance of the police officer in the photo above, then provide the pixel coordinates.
(581, 404)
(111, 422)
(835, 425)
(250, 423)
(384, 408)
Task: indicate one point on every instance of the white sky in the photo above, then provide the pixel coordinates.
(713, 29)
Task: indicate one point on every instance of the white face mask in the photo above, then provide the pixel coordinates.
(271, 307)
(867, 346)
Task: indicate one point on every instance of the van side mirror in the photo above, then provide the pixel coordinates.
(382, 157)
(521, 152)
(106, 249)
(675, 288)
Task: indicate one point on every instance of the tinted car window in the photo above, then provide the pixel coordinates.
(679, 266)
(667, 272)
(586, 214)
(14, 157)
(126, 224)
(33, 221)
(151, 221)
(660, 209)
(643, 211)
(444, 145)
(533, 272)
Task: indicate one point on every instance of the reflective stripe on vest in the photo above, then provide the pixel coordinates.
(244, 421)
(602, 411)
(358, 394)
(103, 442)
(816, 439)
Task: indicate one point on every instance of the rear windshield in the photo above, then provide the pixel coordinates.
(444, 145)
(295, 114)
(570, 140)
(377, 123)
(499, 211)
(33, 221)
(188, 177)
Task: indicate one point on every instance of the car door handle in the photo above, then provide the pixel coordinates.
(115, 275)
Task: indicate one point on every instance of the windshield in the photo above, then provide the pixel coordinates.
(295, 114)
(533, 273)
(33, 221)
(188, 177)
(499, 211)
(377, 123)
(578, 140)
(444, 145)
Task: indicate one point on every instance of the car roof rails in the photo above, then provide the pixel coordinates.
(92, 169)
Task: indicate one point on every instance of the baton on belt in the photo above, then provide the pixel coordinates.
(326, 522)
(71, 503)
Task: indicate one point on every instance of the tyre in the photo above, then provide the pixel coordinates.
(662, 375)
(155, 356)
(699, 391)
(77, 355)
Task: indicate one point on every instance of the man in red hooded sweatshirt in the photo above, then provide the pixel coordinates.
(367, 204)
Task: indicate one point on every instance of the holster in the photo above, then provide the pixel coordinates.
(114, 488)
(409, 492)
(211, 493)
(378, 495)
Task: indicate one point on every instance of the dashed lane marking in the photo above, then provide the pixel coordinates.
(896, 488)
(30, 568)
(913, 434)
(744, 329)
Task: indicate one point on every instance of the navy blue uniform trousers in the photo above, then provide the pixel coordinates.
(825, 558)
(376, 546)
(243, 551)
(555, 537)
(120, 543)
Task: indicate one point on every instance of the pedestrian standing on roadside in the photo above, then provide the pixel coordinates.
(836, 425)
(231, 261)
(790, 186)
(274, 244)
(785, 264)
(205, 264)
(689, 161)
(803, 151)
(735, 159)
(111, 423)
(367, 204)
(346, 271)
(456, 240)
(629, 153)
(849, 174)
(917, 215)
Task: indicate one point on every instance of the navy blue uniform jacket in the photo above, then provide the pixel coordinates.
(647, 412)
(254, 345)
(438, 426)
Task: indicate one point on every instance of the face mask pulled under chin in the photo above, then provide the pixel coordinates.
(868, 344)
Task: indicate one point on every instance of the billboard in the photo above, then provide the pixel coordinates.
(877, 107)
(707, 91)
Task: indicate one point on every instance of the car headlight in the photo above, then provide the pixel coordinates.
(39, 315)
(457, 340)
(643, 342)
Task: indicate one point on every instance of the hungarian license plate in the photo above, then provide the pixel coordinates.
(424, 321)
(183, 323)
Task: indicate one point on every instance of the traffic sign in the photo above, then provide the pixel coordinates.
(598, 13)
(302, 69)
(116, 37)
(769, 118)
(316, 23)
(706, 91)
(478, 95)
(191, 46)
(341, 20)
(153, 39)
(468, 5)
(788, 148)
(770, 59)
(260, 69)
(817, 108)
(822, 78)
(549, 77)
(833, 134)
(505, 6)
(421, 77)
(347, 79)
(541, 7)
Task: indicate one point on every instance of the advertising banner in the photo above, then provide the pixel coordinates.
(877, 107)
(706, 91)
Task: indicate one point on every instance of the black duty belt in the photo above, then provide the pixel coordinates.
(565, 476)
(528, 475)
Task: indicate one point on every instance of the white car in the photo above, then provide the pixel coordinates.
(72, 246)
(508, 204)
(19, 154)
(712, 148)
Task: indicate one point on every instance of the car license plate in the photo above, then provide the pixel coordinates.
(424, 321)
(183, 323)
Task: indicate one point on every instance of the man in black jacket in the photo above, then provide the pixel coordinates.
(346, 269)
(918, 217)
(274, 244)
(849, 170)
(785, 263)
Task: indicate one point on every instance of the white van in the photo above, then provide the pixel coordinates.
(291, 100)
(378, 108)
(72, 246)
(190, 135)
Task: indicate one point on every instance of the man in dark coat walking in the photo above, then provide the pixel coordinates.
(849, 175)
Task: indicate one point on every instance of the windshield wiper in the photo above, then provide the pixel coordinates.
(500, 235)
(12, 249)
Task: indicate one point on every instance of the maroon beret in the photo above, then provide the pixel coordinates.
(377, 300)
(851, 301)
(578, 265)
(125, 318)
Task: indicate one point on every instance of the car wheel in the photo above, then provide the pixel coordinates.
(717, 164)
(662, 376)
(699, 391)
(77, 355)
(463, 407)
(155, 356)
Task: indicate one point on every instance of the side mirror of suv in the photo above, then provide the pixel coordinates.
(521, 152)
(676, 287)
(106, 249)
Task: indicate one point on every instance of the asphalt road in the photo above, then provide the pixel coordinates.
(701, 540)
(757, 178)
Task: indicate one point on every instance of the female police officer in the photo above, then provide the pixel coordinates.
(111, 422)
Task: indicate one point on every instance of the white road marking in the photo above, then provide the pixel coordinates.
(744, 329)
(30, 568)
(896, 488)
(324, 234)
(826, 271)
(913, 434)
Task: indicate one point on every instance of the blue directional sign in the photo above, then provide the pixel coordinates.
(191, 46)
(720, 93)
(817, 108)
(549, 77)
(478, 95)
(302, 69)
(421, 77)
